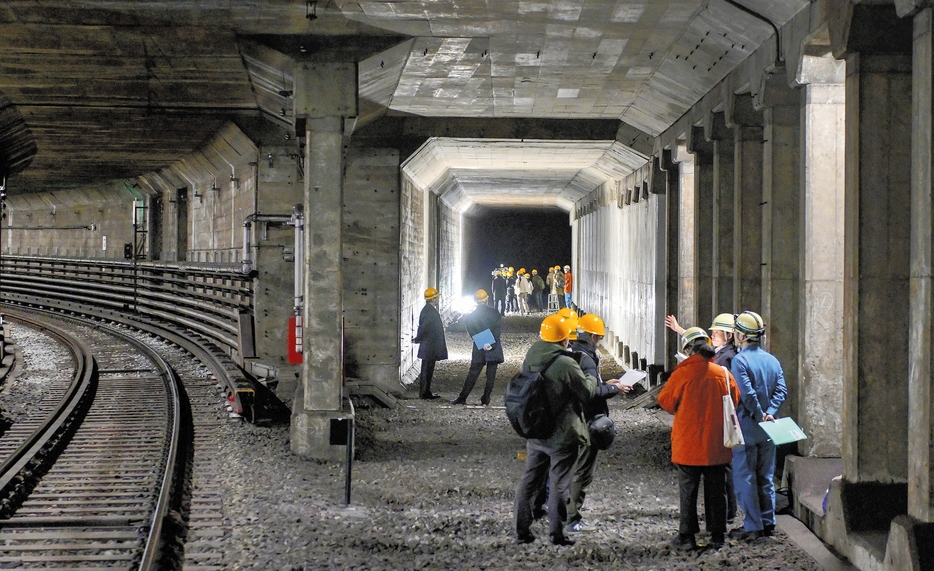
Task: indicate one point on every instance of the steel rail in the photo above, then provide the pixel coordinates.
(151, 550)
(83, 379)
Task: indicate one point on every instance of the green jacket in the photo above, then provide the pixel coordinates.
(568, 389)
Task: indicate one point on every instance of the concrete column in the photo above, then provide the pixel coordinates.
(781, 107)
(702, 149)
(723, 199)
(672, 241)
(324, 94)
(877, 243)
(747, 209)
(659, 190)
(820, 339)
(921, 335)
(687, 283)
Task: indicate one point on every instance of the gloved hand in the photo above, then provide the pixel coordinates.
(487, 347)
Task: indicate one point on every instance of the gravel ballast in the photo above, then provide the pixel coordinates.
(433, 487)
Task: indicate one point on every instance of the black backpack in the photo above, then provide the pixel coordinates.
(527, 404)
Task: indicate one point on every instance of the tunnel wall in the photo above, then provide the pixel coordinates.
(79, 223)
(411, 272)
(616, 275)
(427, 226)
(371, 266)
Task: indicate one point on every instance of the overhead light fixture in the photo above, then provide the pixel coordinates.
(311, 9)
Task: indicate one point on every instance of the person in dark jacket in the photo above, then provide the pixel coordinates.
(489, 355)
(590, 330)
(538, 286)
(511, 305)
(431, 344)
(499, 292)
(555, 457)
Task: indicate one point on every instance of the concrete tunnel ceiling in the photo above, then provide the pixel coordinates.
(510, 173)
(114, 89)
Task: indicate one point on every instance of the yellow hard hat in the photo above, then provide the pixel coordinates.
(567, 268)
(692, 334)
(555, 329)
(521, 270)
(481, 296)
(592, 324)
(431, 293)
(534, 272)
(724, 322)
(750, 324)
(512, 269)
(567, 312)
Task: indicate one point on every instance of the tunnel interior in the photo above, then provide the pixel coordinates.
(530, 238)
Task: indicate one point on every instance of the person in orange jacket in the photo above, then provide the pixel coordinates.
(568, 286)
(693, 394)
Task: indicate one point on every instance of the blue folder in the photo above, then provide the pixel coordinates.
(485, 337)
(783, 430)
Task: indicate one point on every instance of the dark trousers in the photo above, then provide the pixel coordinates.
(499, 305)
(558, 467)
(730, 494)
(537, 301)
(473, 374)
(428, 371)
(714, 497)
(583, 477)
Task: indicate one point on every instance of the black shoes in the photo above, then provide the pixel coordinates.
(684, 541)
(539, 513)
(562, 540)
(716, 541)
(768, 530)
(525, 538)
(459, 400)
(431, 396)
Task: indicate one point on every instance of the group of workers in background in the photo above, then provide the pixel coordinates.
(728, 361)
(523, 292)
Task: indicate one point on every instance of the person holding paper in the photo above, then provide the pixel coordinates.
(483, 325)
(762, 390)
(694, 395)
(590, 330)
(431, 344)
(554, 458)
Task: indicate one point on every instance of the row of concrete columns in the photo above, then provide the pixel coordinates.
(813, 206)
(757, 203)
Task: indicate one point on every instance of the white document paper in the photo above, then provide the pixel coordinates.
(632, 377)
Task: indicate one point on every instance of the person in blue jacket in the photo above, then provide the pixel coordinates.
(490, 355)
(762, 390)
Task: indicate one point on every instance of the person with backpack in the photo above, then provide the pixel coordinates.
(590, 330)
(554, 453)
(489, 355)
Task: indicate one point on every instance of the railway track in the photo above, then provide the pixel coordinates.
(87, 482)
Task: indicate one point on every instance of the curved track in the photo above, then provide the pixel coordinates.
(89, 485)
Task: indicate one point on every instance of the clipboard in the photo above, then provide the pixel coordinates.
(485, 337)
(783, 430)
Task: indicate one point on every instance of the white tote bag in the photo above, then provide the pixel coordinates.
(732, 433)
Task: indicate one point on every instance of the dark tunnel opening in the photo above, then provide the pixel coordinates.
(530, 238)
